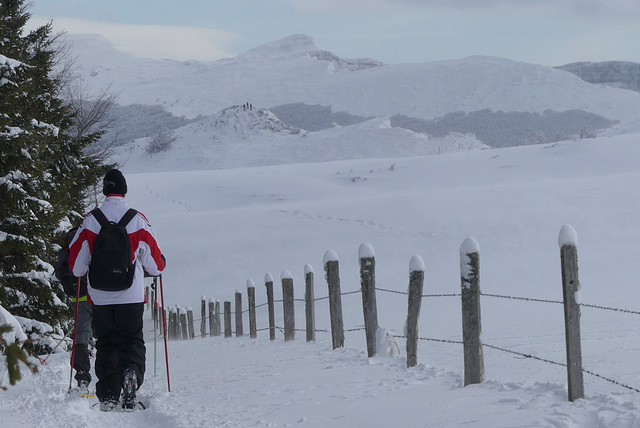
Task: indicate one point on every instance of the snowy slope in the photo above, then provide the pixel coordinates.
(220, 228)
(293, 70)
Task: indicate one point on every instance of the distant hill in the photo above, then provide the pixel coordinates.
(618, 74)
(240, 137)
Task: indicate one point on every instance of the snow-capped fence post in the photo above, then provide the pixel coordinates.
(183, 324)
(170, 324)
(416, 284)
(332, 274)
(227, 319)
(288, 306)
(173, 323)
(203, 316)
(192, 332)
(216, 322)
(471, 324)
(251, 296)
(268, 282)
(368, 288)
(309, 304)
(212, 318)
(239, 330)
(571, 295)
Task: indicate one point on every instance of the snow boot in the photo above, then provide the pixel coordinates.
(129, 388)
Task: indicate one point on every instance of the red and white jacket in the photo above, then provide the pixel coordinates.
(144, 251)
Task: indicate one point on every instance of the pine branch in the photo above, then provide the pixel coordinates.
(14, 355)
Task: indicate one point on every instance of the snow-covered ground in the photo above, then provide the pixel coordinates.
(220, 228)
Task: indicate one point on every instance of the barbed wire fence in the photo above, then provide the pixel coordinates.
(476, 367)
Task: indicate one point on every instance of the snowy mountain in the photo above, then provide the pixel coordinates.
(295, 70)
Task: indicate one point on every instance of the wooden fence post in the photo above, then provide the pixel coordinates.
(368, 288)
(567, 241)
(164, 318)
(183, 324)
(416, 283)
(217, 324)
(212, 318)
(471, 323)
(288, 306)
(309, 304)
(268, 282)
(192, 333)
(172, 324)
(177, 323)
(227, 319)
(251, 296)
(332, 269)
(239, 330)
(203, 316)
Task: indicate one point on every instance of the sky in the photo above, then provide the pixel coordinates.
(546, 32)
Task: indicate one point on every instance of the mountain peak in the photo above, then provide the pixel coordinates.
(295, 44)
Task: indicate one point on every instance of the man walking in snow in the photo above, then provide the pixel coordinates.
(117, 314)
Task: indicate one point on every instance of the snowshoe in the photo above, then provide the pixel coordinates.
(108, 405)
(129, 388)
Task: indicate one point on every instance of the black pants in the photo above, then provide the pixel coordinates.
(83, 334)
(119, 346)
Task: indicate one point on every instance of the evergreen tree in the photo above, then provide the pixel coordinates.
(44, 172)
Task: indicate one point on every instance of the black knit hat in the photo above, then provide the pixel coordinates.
(114, 182)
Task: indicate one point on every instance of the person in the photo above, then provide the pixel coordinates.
(117, 315)
(80, 358)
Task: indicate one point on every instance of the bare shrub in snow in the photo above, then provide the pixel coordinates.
(160, 141)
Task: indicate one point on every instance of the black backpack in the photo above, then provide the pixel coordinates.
(63, 271)
(111, 268)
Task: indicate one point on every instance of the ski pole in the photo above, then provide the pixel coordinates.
(155, 321)
(164, 328)
(44, 361)
(75, 322)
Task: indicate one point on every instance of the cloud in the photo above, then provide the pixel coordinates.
(152, 41)
(595, 9)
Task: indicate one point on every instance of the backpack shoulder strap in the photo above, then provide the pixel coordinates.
(127, 217)
(98, 215)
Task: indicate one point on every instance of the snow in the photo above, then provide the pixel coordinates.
(285, 274)
(280, 73)
(238, 219)
(16, 332)
(330, 256)
(234, 137)
(568, 236)
(366, 251)
(308, 269)
(416, 264)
